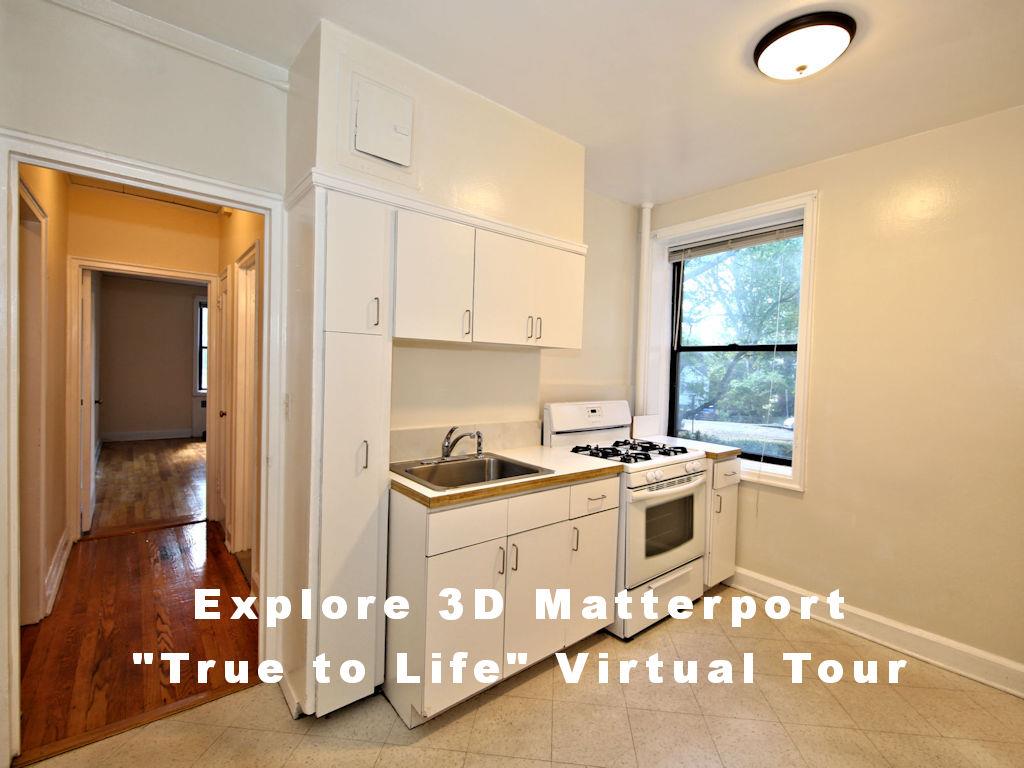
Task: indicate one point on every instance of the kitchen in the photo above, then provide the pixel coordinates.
(505, 353)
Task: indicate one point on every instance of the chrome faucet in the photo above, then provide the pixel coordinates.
(449, 443)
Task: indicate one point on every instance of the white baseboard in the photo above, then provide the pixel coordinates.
(989, 668)
(154, 434)
(56, 571)
(290, 698)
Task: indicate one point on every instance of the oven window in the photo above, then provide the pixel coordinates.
(668, 526)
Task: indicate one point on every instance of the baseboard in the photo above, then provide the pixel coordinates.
(154, 434)
(56, 571)
(290, 698)
(989, 668)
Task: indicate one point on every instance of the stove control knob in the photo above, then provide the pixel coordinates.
(652, 476)
(659, 475)
(693, 466)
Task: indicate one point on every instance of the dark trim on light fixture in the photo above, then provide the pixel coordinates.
(817, 19)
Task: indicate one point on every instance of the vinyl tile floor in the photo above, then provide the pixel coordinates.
(932, 719)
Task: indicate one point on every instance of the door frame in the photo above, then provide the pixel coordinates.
(74, 460)
(41, 603)
(20, 147)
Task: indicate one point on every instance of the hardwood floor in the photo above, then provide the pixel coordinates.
(148, 484)
(122, 594)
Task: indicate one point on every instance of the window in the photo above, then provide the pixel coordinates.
(202, 345)
(735, 331)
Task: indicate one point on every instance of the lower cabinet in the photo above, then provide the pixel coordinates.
(578, 554)
(537, 559)
(723, 513)
(592, 551)
(481, 566)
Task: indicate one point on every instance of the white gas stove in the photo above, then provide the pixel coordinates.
(661, 499)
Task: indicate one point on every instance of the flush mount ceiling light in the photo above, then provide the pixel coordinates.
(804, 45)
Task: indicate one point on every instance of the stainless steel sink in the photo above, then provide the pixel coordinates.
(464, 471)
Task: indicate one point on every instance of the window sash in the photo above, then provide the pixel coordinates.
(203, 345)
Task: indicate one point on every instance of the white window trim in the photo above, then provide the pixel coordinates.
(655, 307)
(197, 302)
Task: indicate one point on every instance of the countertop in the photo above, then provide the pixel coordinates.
(713, 451)
(568, 468)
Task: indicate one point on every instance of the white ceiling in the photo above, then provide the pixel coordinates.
(663, 93)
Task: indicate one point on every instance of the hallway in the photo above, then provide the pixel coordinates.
(147, 484)
(121, 594)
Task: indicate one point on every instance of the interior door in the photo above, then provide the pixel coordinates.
(480, 566)
(593, 546)
(89, 400)
(503, 289)
(242, 513)
(224, 384)
(354, 496)
(537, 559)
(433, 278)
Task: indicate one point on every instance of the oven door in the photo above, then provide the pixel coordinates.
(664, 529)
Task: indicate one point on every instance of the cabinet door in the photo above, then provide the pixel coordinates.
(537, 559)
(593, 544)
(357, 249)
(722, 550)
(477, 567)
(433, 278)
(354, 488)
(558, 305)
(503, 289)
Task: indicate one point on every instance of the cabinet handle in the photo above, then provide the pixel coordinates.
(718, 504)
(376, 303)
(602, 497)
(529, 327)
(540, 327)
(515, 559)
(576, 539)
(467, 322)
(501, 571)
(730, 474)
(366, 458)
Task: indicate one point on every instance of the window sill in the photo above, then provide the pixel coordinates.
(774, 475)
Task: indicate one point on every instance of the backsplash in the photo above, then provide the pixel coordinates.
(424, 442)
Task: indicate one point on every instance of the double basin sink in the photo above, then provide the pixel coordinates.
(465, 471)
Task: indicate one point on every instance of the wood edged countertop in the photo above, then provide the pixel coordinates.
(566, 469)
(713, 451)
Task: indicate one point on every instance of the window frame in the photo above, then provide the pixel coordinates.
(676, 346)
(197, 350)
(655, 361)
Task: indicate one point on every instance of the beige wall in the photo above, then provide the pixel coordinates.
(468, 152)
(67, 76)
(914, 472)
(437, 385)
(127, 229)
(50, 189)
(147, 343)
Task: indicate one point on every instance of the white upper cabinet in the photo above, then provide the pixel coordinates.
(504, 288)
(358, 246)
(558, 298)
(433, 278)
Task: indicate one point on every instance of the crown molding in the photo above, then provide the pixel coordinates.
(179, 39)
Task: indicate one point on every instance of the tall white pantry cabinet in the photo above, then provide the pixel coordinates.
(338, 333)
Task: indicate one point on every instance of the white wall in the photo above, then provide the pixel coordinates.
(468, 152)
(67, 76)
(913, 505)
(434, 385)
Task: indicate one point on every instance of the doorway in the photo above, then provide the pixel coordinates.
(141, 534)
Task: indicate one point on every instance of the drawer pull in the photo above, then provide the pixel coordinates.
(602, 497)
(730, 474)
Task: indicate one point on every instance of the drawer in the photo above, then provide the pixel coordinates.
(687, 581)
(597, 496)
(726, 473)
(463, 526)
(536, 509)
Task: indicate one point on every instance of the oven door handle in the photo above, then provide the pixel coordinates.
(671, 491)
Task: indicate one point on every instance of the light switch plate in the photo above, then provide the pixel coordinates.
(383, 125)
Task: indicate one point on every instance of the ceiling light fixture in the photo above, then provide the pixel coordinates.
(804, 45)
